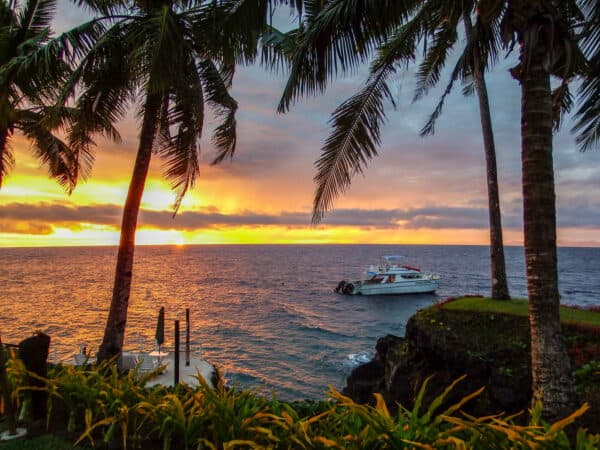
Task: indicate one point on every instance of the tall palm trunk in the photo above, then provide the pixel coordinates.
(550, 365)
(114, 334)
(498, 265)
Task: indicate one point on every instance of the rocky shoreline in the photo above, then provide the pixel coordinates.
(491, 349)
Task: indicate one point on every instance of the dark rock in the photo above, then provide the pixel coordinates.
(492, 350)
(441, 345)
(364, 380)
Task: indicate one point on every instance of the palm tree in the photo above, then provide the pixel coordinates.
(548, 47)
(498, 265)
(471, 66)
(170, 58)
(31, 72)
(340, 34)
(353, 37)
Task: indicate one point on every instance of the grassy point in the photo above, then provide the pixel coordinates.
(519, 307)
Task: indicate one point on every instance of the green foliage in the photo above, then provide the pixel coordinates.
(98, 400)
(587, 377)
(16, 375)
(33, 68)
(120, 411)
(519, 307)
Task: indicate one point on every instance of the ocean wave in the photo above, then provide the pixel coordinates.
(356, 359)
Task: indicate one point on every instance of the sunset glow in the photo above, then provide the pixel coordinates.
(417, 191)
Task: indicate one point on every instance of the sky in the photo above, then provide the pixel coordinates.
(417, 191)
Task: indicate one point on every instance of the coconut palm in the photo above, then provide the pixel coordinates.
(154, 53)
(31, 72)
(170, 59)
(354, 39)
(341, 33)
(470, 68)
(547, 47)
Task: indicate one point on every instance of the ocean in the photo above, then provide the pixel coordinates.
(266, 315)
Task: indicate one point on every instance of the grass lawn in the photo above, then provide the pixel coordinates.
(519, 307)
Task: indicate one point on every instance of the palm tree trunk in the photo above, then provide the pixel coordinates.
(114, 334)
(498, 265)
(551, 371)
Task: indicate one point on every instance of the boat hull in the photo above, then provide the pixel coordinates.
(407, 287)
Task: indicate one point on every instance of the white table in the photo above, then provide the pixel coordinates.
(159, 355)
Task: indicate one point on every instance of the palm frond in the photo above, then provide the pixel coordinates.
(338, 37)
(229, 31)
(486, 33)
(356, 126)
(78, 41)
(457, 71)
(277, 48)
(161, 38)
(562, 103)
(35, 17)
(107, 79)
(56, 155)
(443, 40)
(587, 125)
(468, 88)
(181, 124)
(7, 159)
(225, 106)
(463, 69)
(104, 7)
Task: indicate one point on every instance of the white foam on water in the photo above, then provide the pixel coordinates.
(356, 359)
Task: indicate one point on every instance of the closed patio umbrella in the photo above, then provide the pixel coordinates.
(160, 328)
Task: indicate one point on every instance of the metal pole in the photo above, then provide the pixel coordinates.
(176, 354)
(187, 336)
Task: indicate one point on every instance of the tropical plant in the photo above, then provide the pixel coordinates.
(340, 34)
(202, 417)
(31, 74)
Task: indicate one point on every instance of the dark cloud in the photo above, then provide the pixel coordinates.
(36, 218)
(52, 213)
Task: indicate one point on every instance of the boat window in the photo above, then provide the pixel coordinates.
(411, 276)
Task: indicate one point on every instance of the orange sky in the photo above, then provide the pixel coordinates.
(418, 191)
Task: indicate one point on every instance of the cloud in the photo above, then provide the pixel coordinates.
(15, 227)
(23, 218)
(210, 217)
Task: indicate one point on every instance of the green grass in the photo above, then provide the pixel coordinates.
(519, 307)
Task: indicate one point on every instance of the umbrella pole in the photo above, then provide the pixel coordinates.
(187, 336)
(176, 354)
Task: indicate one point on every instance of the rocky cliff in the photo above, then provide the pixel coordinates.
(491, 349)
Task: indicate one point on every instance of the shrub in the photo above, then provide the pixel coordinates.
(122, 411)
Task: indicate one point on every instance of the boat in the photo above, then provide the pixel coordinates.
(390, 278)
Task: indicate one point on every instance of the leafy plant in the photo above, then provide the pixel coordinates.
(120, 409)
